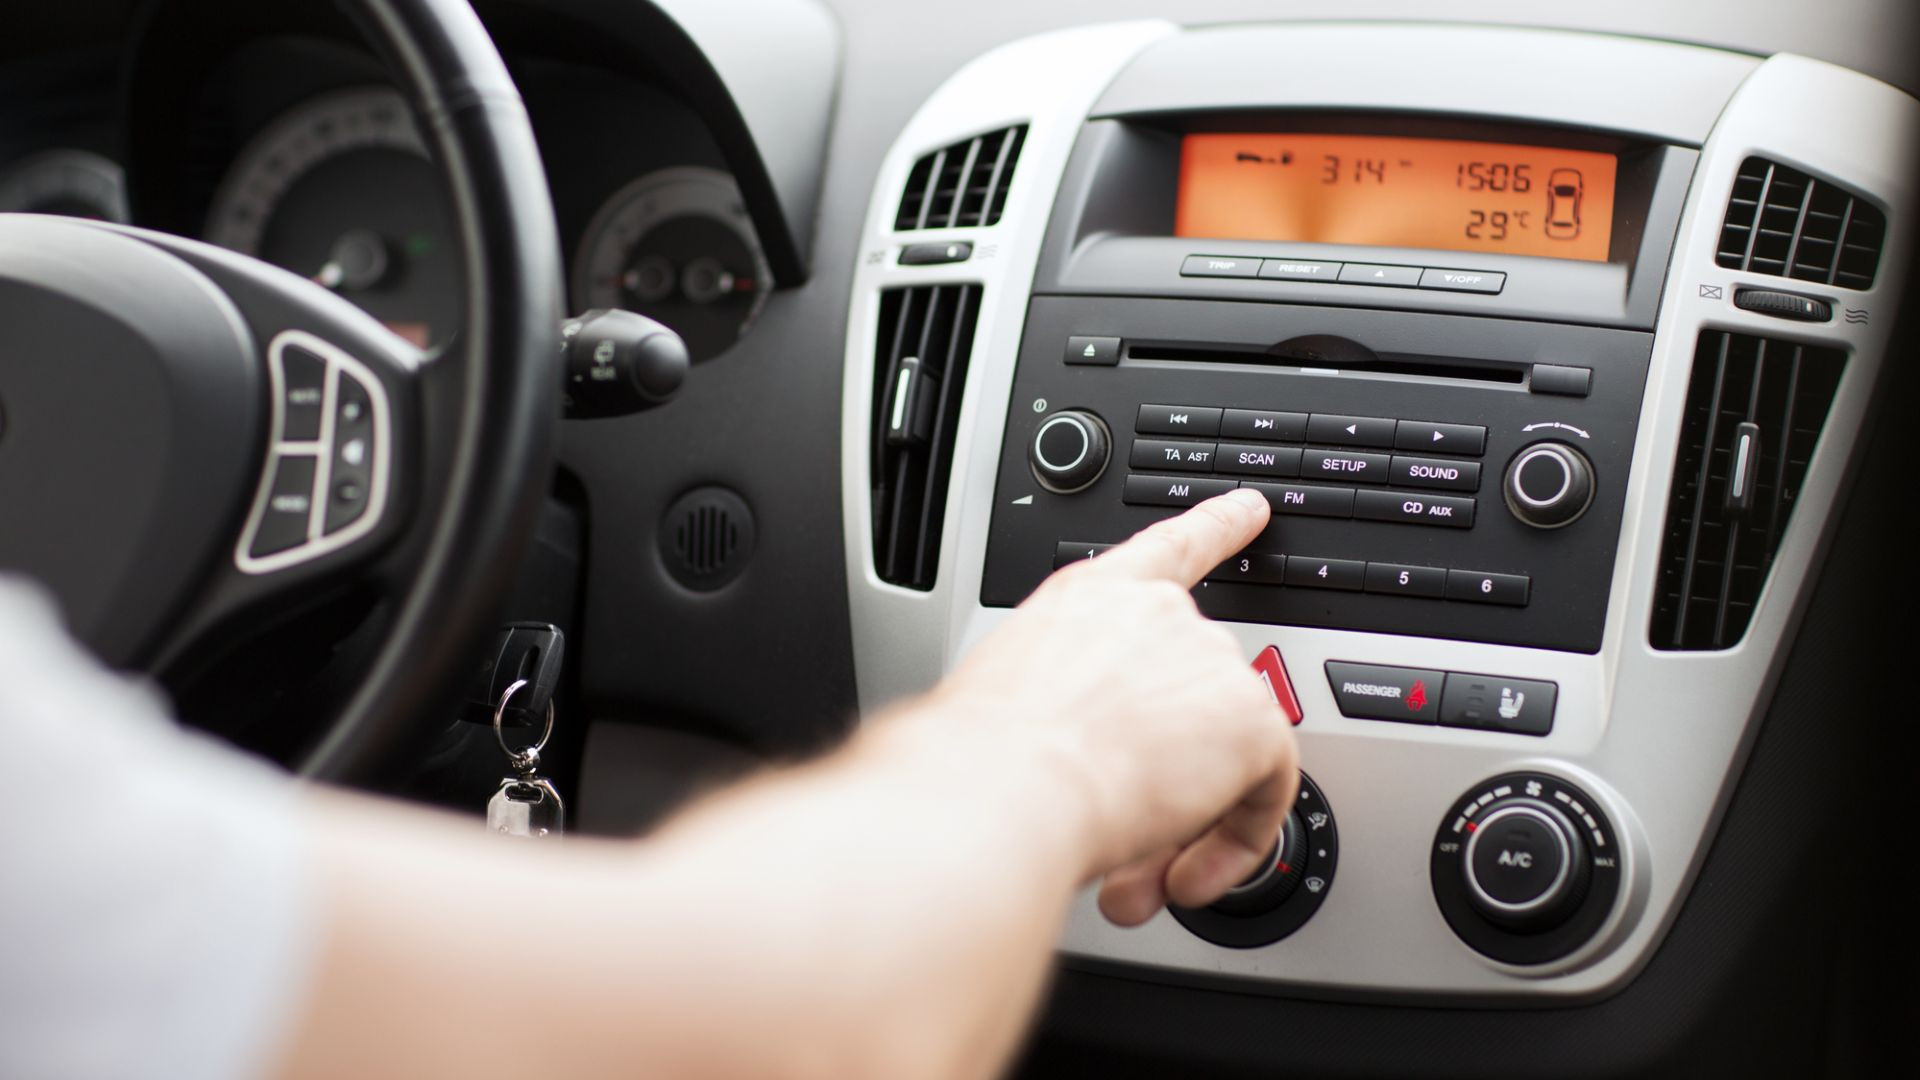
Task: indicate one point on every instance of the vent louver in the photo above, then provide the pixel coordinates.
(961, 185)
(1754, 410)
(1781, 221)
(920, 369)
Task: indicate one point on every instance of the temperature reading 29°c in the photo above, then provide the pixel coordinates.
(1399, 192)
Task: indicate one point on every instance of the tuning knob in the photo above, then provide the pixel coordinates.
(1526, 866)
(1549, 485)
(1069, 451)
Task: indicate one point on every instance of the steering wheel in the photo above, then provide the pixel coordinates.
(193, 443)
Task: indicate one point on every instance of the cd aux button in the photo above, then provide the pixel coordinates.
(1451, 511)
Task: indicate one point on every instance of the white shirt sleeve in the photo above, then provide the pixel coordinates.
(157, 916)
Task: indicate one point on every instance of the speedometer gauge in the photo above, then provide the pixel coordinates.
(340, 189)
(677, 246)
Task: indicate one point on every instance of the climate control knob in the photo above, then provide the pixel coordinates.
(1069, 451)
(1549, 484)
(1278, 876)
(1526, 866)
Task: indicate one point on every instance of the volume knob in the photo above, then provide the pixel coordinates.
(1549, 485)
(1069, 451)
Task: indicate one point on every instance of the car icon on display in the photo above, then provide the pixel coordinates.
(1564, 188)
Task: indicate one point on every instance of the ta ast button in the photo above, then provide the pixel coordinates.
(1491, 703)
(1376, 692)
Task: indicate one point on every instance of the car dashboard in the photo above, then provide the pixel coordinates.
(1563, 356)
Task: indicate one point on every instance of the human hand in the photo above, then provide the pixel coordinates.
(1186, 763)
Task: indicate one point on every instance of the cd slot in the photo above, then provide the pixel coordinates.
(1356, 360)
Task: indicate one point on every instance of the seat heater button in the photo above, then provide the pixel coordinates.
(283, 522)
(303, 394)
(1491, 703)
(1173, 490)
(1377, 692)
(1449, 511)
(1344, 466)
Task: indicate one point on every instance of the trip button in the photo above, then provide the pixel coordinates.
(1396, 580)
(1165, 456)
(1306, 500)
(1428, 438)
(1491, 703)
(283, 521)
(1219, 266)
(1176, 420)
(1470, 585)
(1348, 575)
(1252, 459)
(1260, 424)
(1450, 511)
(1173, 490)
(1351, 468)
(303, 394)
(1376, 692)
(1350, 430)
(1438, 473)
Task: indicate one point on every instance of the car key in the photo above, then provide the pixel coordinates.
(526, 803)
(530, 653)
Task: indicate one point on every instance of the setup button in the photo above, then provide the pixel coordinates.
(1377, 692)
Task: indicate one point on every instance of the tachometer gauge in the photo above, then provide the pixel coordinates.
(340, 189)
(76, 183)
(677, 246)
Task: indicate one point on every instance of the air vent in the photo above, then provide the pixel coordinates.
(1754, 411)
(1783, 222)
(920, 368)
(963, 184)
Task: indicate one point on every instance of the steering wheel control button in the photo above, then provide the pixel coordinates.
(1249, 568)
(1378, 692)
(1491, 703)
(1162, 456)
(1426, 438)
(1176, 420)
(1093, 351)
(1351, 431)
(1177, 491)
(1448, 511)
(1069, 451)
(1475, 587)
(1286, 890)
(1263, 425)
(1437, 473)
(1066, 552)
(1272, 669)
(1549, 485)
(1394, 579)
(1526, 868)
(303, 381)
(288, 512)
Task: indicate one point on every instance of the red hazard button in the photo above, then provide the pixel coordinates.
(1273, 671)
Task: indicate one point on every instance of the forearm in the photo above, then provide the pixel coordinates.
(887, 911)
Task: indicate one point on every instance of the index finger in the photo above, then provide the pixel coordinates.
(1185, 549)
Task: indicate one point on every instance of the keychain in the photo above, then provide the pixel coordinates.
(526, 804)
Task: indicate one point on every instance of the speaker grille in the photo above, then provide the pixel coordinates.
(706, 537)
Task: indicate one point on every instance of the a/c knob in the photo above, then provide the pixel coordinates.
(1526, 866)
(1069, 451)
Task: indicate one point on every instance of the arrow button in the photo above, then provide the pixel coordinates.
(1446, 438)
(1350, 430)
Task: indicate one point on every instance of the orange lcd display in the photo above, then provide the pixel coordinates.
(1423, 193)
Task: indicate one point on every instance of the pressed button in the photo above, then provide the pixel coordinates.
(1173, 490)
(1397, 580)
(1095, 351)
(1350, 467)
(1176, 420)
(1167, 456)
(1306, 500)
(1349, 575)
(1492, 703)
(283, 523)
(1219, 266)
(1252, 459)
(1071, 551)
(1400, 277)
(1430, 438)
(1439, 473)
(1480, 588)
(1252, 569)
(1260, 424)
(1378, 692)
(303, 394)
(1450, 511)
(1350, 430)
